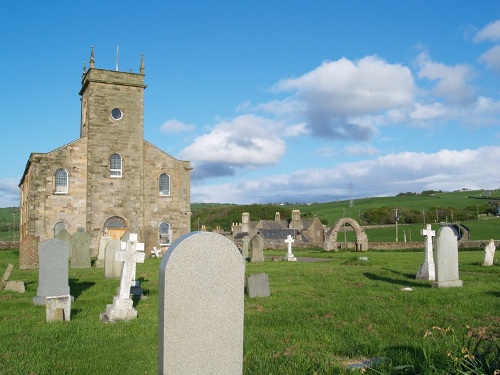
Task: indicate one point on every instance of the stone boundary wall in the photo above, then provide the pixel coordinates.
(7, 245)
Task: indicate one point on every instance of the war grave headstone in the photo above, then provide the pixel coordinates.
(149, 236)
(257, 245)
(80, 249)
(244, 250)
(289, 255)
(112, 267)
(64, 235)
(28, 252)
(130, 253)
(101, 253)
(446, 259)
(201, 295)
(489, 254)
(427, 270)
(258, 285)
(53, 270)
(58, 308)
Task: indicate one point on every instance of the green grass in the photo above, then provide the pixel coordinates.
(319, 317)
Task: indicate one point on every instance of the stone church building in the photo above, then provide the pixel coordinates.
(110, 180)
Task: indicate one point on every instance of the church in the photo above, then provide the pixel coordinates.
(110, 180)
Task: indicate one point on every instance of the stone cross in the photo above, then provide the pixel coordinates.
(289, 256)
(130, 253)
(427, 270)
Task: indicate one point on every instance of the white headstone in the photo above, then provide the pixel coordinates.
(101, 255)
(427, 270)
(257, 245)
(489, 254)
(201, 292)
(53, 258)
(289, 256)
(131, 252)
(446, 259)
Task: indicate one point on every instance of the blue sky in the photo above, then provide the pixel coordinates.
(271, 101)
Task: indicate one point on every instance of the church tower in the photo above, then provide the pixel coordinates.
(112, 120)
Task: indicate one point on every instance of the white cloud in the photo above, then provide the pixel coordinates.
(491, 32)
(244, 140)
(9, 192)
(176, 126)
(491, 58)
(361, 149)
(386, 175)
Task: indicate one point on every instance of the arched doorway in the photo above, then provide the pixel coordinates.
(115, 226)
(361, 237)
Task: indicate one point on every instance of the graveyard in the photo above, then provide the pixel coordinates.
(326, 313)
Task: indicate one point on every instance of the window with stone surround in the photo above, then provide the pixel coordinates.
(115, 166)
(164, 234)
(164, 184)
(61, 182)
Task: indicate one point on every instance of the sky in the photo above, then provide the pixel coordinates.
(271, 101)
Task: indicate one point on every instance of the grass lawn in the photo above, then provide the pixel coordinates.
(320, 317)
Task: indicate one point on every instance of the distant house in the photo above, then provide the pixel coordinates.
(308, 230)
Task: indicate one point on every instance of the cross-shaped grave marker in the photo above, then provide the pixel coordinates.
(289, 256)
(427, 270)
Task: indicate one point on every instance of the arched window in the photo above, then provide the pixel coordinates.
(59, 227)
(61, 182)
(115, 165)
(164, 184)
(164, 234)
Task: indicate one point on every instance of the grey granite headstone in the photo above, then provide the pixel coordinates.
(103, 241)
(258, 285)
(489, 254)
(257, 245)
(28, 252)
(244, 250)
(112, 267)
(63, 234)
(201, 294)
(80, 249)
(53, 257)
(446, 259)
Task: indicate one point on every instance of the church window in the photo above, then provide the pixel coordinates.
(59, 227)
(164, 234)
(115, 165)
(61, 181)
(164, 184)
(116, 114)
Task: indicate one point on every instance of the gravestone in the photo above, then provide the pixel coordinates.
(201, 295)
(427, 270)
(58, 308)
(130, 253)
(289, 255)
(64, 235)
(6, 276)
(257, 245)
(446, 259)
(80, 249)
(53, 270)
(101, 253)
(149, 236)
(489, 254)
(244, 250)
(28, 252)
(112, 267)
(258, 285)
(15, 286)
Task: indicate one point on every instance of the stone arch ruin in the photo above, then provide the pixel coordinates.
(361, 237)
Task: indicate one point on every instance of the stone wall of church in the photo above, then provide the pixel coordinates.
(43, 208)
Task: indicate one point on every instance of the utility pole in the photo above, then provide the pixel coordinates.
(397, 219)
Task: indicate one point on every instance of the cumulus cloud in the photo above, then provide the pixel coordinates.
(246, 140)
(491, 58)
(451, 82)
(335, 95)
(9, 192)
(489, 33)
(407, 171)
(176, 126)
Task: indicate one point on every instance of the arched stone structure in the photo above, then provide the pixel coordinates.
(361, 237)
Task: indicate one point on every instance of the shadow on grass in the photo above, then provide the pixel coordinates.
(77, 288)
(389, 280)
(140, 292)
